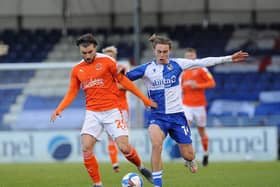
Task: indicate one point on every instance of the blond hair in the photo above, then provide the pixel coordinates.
(190, 50)
(111, 49)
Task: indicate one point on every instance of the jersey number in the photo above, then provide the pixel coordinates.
(185, 130)
(121, 124)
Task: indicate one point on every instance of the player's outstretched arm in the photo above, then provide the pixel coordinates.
(127, 84)
(211, 61)
(66, 101)
(71, 94)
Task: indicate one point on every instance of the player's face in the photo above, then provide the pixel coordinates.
(190, 55)
(111, 54)
(162, 52)
(88, 52)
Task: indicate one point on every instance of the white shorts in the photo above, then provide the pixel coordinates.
(196, 115)
(111, 120)
(125, 116)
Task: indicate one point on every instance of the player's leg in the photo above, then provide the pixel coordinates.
(129, 151)
(181, 133)
(113, 153)
(90, 133)
(201, 117)
(117, 127)
(188, 155)
(204, 143)
(157, 136)
(90, 161)
(131, 155)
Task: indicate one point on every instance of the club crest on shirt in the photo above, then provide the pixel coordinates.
(195, 72)
(98, 66)
(169, 67)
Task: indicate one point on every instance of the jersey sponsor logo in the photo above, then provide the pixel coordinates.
(92, 83)
(165, 82)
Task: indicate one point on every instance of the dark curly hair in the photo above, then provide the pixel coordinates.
(86, 40)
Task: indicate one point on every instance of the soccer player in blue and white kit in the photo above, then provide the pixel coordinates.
(162, 80)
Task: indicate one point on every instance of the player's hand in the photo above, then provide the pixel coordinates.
(54, 116)
(239, 56)
(150, 103)
(153, 104)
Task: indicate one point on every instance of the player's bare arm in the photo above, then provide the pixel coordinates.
(67, 100)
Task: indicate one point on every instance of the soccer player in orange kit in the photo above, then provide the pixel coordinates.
(97, 74)
(112, 51)
(194, 82)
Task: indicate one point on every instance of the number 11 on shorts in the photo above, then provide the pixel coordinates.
(185, 130)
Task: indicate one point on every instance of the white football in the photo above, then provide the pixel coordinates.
(132, 180)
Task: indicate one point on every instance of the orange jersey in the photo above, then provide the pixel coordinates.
(99, 82)
(203, 79)
(97, 79)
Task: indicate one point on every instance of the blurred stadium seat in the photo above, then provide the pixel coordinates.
(240, 83)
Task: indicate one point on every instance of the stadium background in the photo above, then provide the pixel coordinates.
(37, 49)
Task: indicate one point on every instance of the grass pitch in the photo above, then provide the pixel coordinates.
(237, 174)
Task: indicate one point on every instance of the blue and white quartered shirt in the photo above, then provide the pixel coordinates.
(163, 80)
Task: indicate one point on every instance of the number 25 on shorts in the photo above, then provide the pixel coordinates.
(121, 124)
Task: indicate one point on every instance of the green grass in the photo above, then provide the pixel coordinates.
(250, 174)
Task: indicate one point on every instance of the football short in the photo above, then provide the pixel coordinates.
(111, 120)
(175, 125)
(197, 115)
(124, 114)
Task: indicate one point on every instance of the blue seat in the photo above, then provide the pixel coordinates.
(268, 109)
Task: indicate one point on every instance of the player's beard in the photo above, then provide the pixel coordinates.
(88, 60)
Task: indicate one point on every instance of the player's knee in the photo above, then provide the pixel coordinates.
(124, 148)
(189, 155)
(87, 148)
(157, 147)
